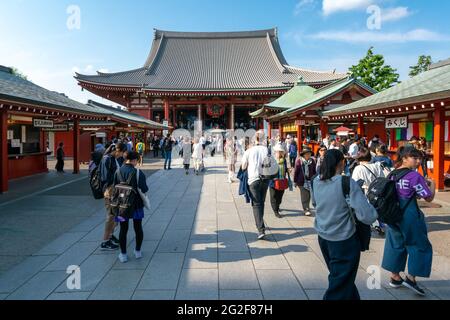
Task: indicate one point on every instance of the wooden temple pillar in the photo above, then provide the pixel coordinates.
(199, 113)
(3, 149)
(280, 129)
(231, 117)
(269, 129)
(167, 110)
(360, 129)
(150, 108)
(299, 136)
(323, 128)
(76, 146)
(174, 116)
(439, 147)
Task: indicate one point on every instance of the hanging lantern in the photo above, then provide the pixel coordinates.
(215, 110)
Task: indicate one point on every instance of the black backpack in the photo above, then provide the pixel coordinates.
(124, 197)
(382, 194)
(95, 181)
(167, 145)
(363, 231)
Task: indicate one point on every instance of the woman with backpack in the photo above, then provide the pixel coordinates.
(408, 239)
(368, 172)
(335, 223)
(138, 180)
(278, 185)
(305, 170)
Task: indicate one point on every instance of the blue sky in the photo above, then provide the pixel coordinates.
(116, 35)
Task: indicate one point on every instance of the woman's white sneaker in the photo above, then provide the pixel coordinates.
(123, 258)
(138, 254)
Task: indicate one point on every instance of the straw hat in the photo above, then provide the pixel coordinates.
(305, 151)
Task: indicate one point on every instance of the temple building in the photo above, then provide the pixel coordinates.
(215, 77)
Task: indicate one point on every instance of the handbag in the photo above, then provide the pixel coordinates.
(281, 184)
(143, 196)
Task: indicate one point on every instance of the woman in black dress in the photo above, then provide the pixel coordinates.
(60, 158)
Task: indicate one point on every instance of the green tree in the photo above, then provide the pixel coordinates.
(422, 65)
(18, 73)
(373, 71)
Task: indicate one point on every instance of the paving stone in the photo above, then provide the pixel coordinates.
(154, 295)
(175, 241)
(308, 269)
(73, 256)
(93, 270)
(163, 272)
(198, 284)
(61, 244)
(269, 259)
(77, 296)
(280, 285)
(40, 286)
(241, 295)
(236, 271)
(117, 285)
(14, 278)
(201, 255)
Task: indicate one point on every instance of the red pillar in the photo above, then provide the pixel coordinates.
(269, 129)
(76, 146)
(280, 129)
(150, 108)
(231, 117)
(323, 128)
(360, 130)
(166, 110)
(175, 121)
(3, 150)
(299, 135)
(439, 147)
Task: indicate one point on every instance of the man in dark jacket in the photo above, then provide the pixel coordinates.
(305, 170)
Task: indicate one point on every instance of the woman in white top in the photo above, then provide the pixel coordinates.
(367, 172)
(187, 151)
(197, 156)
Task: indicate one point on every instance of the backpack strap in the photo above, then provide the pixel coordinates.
(119, 175)
(346, 186)
(370, 171)
(399, 174)
(130, 178)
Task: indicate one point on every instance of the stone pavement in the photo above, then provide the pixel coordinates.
(200, 243)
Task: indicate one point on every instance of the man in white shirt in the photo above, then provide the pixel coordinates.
(252, 161)
(353, 150)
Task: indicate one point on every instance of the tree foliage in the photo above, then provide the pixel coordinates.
(422, 65)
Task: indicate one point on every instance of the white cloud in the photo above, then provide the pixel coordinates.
(394, 14)
(332, 6)
(417, 35)
(301, 5)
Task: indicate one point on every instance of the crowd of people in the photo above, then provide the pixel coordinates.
(337, 183)
(334, 184)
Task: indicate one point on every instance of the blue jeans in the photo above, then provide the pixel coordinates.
(408, 241)
(168, 158)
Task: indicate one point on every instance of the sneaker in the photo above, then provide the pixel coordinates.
(114, 240)
(380, 231)
(413, 286)
(278, 215)
(396, 283)
(123, 258)
(108, 245)
(138, 254)
(261, 235)
(308, 213)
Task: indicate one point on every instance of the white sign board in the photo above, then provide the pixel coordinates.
(42, 123)
(10, 134)
(165, 132)
(397, 123)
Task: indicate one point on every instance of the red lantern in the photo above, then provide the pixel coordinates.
(215, 110)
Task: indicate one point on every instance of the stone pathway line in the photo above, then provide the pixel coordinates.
(200, 243)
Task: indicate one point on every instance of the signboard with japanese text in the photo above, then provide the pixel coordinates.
(43, 123)
(397, 123)
(58, 127)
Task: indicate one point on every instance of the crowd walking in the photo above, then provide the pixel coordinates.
(335, 186)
